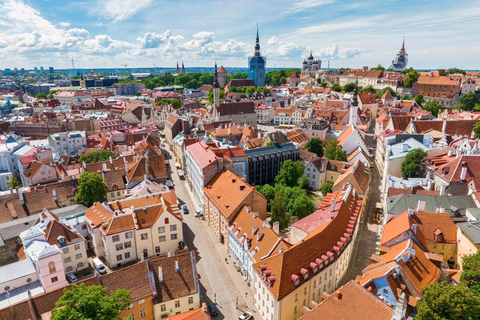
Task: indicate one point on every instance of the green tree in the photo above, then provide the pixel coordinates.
(51, 93)
(456, 71)
(268, 192)
(433, 106)
(96, 156)
(290, 173)
(413, 75)
(336, 87)
(90, 303)
(443, 301)
(163, 102)
(442, 72)
(419, 99)
(476, 129)
(304, 182)
(471, 272)
(279, 214)
(349, 87)
(378, 68)
(315, 145)
(392, 92)
(41, 96)
(412, 162)
(91, 189)
(289, 196)
(326, 188)
(176, 103)
(222, 94)
(302, 206)
(14, 182)
(334, 151)
(468, 101)
(369, 89)
(324, 84)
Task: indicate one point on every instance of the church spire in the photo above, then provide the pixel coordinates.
(257, 45)
(215, 79)
(403, 44)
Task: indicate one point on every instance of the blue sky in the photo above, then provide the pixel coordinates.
(144, 33)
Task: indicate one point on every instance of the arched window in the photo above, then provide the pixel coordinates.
(166, 221)
(51, 267)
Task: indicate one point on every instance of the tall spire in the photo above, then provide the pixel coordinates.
(257, 45)
(355, 94)
(403, 44)
(215, 79)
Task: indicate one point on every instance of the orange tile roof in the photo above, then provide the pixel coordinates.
(357, 175)
(196, 314)
(345, 134)
(350, 302)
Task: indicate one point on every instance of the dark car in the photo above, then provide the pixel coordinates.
(185, 209)
(213, 309)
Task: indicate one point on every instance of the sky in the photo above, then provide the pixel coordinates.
(148, 33)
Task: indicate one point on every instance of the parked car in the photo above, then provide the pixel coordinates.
(246, 316)
(185, 209)
(72, 277)
(198, 213)
(213, 309)
(97, 263)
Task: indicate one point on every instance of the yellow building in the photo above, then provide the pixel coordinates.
(468, 235)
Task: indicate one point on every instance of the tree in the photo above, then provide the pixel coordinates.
(349, 87)
(176, 103)
(96, 156)
(324, 84)
(290, 173)
(468, 101)
(420, 99)
(378, 68)
(222, 94)
(304, 182)
(413, 75)
(302, 206)
(442, 72)
(476, 129)
(41, 96)
(315, 145)
(471, 272)
(369, 89)
(51, 93)
(14, 182)
(279, 214)
(433, 106)
(336, 87)
(91, 189)
(412, 161)
(456, 71)
(443, 301)
(268, 192)
(326, 188)
(90, 303)
(334, 151)
(289, 196)
(392, 92)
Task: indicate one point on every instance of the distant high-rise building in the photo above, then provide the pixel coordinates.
(41, 69)
(401, 60)
(256, 65)
(35, 69)
(51, 70)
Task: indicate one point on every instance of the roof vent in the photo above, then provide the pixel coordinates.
(177, 267)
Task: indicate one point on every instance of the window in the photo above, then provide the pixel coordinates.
(69, 269)
(385, 292)
(77, 247)
(79, 265)
(78, 256)
(128, 235)
(163, 308)
(452, 247)
(127, 244)
(84, 226)
(304, 302)
(295, 310)
(119, 257)
(305, 290)
(167, 221)
(157, 249)
(143, 313)
(434, 246)
(173, 236)
(65, 250)
(173, 227)
(127, 255)
(141, 302)
(118, 193)
(444, 247)
(315, 283)
(162, 238)
(130, 306)
(67, 260)
(119, 247)
(313, 296)
(54, 279)
(190, 300)
(296, 297)
(161, 229)
(51, 267)
(116, 238)
(177, 304)
(144, 236)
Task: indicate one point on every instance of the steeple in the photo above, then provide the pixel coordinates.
(403, 44)
(215, 79)
(216, 94)
(183, 68)
(354, 107)
(355, 94)
(257, 45)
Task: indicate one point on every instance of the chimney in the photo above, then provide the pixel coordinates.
(126, 166)
(280, 250)
(104, 167)
(20, 195)
(405, 147)
(414, 228)
(449, 152)
(54, 194)
(160, 274)
(332, 207)
(411, 211)
(111, 161)
(463, 174)
(442, 189)
(421, 206)
(276, 227)
(177, 267)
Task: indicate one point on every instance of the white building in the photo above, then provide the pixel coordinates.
(69, 143)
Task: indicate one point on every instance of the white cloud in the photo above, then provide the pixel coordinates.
(273, 40)
(335, 52)
(118, 10)
(64, 24)
(302, 5)
(153, 40)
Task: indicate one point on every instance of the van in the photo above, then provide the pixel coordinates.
(99, 266)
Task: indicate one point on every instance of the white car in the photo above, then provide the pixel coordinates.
(72, 277)
(246, 316)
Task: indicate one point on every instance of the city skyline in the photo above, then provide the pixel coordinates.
(144, 33)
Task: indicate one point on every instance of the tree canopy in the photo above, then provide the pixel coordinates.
(176, 103)
(413, 75)
(378, 68)
(468, 101)
(210, 94)
(412, 161)
(14, 182)
(349, 87)
(471, 272)
(41, 96)
(334, 151)
(90, 303)
(419, 99)
(91, 189)
(279, 214)
(290, 173)
(443, 301)
(336, 87)
(96, 156)
(433, 106)
(476, 129)
(315, 145)
(326, 188)
(456, 71)
(51, 93)
(304, 182)
(268, 192)
(278, 77)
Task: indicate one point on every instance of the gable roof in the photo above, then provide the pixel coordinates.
(357, 175)
(156, 168)
(244, 107)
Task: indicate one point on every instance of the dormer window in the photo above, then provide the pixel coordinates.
(304, 273)
(295, 279)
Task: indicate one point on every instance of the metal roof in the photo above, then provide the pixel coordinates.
(16, 270)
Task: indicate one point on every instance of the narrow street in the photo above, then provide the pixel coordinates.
(219, 281)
